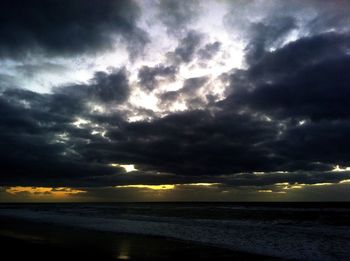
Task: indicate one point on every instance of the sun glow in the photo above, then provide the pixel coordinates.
(200, 184)
(152, 187)
(167, 186)
(44, 191)
(270, 191)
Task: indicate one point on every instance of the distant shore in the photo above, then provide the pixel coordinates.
(26, 239)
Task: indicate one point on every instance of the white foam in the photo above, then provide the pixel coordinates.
(269, 238)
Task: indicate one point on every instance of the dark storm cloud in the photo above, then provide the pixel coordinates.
(167, 97)
(188, 92)
(38, 139)
(301, 88)
(32, 70)
(104, 87)
(194, 143)
(191, 85)
(315, 16)
(270, 24)
(230, 137)
(287, 111)
(330, 15)
(176, 15)
(209, 50)
(148, 76)
(54, 27)
(298, 177)
(111, 87)
(300, 54)
(7, 81)
(307, 79)
(315, 142)
(267, 34)
(28, 147)
(187, 47)
(189, 144)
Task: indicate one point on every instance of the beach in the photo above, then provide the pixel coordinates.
(264, 231)
(21, 238)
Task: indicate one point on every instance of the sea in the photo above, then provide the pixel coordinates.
(301, 231)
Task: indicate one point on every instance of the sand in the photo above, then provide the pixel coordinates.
(21, 239)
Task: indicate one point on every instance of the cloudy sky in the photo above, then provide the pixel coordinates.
(244, 100)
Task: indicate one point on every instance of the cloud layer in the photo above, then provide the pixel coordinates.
(58, 28)
(279, 120)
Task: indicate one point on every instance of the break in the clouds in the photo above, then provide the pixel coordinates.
(174, 100)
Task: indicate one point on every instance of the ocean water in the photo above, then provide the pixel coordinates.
(304, 231)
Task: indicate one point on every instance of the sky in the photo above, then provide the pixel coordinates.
(174, 100)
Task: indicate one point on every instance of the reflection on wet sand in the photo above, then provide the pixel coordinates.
(123, 250)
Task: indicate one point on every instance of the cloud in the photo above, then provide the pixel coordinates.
(7, 81)
(187, 47)
(306, 78)
(38, 130)
(204, 144)
(148, 76)
(32, 70)
(269, 25)
(177, 15)
(62, 29)
(285, 110)
(209, 50)
(104, 87)
(267, 34)
(188, 93)
(251, 130)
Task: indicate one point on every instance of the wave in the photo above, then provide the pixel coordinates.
(293, 239)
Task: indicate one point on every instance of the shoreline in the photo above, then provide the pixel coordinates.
(40, 239)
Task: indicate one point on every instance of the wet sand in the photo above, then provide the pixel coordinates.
(21, 239)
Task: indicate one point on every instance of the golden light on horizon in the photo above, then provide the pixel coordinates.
(200, 184)
(167, 186)
(151, 187)
(270, 191)
(44, 191)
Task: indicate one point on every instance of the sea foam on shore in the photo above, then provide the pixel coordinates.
(281, 232)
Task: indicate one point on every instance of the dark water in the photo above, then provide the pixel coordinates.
(311, 231)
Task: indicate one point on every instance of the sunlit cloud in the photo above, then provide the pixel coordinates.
(80, 123)
(338, 168)
(126, 167)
